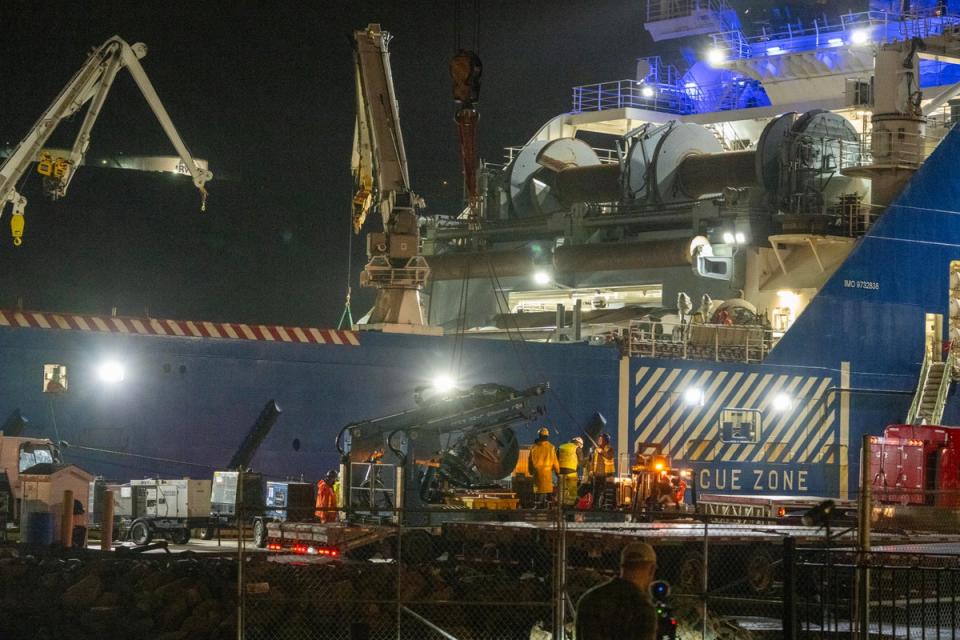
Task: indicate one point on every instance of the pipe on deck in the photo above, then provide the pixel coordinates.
(566, 260)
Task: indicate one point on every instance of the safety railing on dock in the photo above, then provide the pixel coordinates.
(717, 342)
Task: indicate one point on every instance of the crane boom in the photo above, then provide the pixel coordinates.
(90, 84)
(382, 181)
(379, 156)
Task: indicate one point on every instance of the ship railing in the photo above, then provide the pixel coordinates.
(734, 92)
(852, 214)
(683, 97)
(941, 120)
(887, 148)
(606, 156)
(874, 27)
(697, 341)
(732, 45)
(381, 274)
(671, 9)
(620, 94)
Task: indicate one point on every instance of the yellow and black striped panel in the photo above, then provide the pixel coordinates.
(804, 433)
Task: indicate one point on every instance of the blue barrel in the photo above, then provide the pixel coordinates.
(39, 528)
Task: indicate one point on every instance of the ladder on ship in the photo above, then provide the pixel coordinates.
(932, 389)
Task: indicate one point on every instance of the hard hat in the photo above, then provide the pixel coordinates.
(578, 440)
(331, 475)
(544, 432)
(637, 553)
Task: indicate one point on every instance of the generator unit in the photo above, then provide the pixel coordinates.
(293, 501)
(170, 508)
(228, 500)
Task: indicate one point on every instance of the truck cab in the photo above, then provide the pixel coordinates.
(17, 455)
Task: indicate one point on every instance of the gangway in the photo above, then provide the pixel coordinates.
(932, 388)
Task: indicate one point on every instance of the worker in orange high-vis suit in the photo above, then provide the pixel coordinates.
(543, 461)
(326, 498)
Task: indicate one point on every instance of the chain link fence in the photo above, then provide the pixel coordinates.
(491, 574)
(902, 577)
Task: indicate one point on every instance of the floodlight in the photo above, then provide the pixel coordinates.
(443, 383)
(782, 402)
(111, 372)
(716, 57)
(693, 396)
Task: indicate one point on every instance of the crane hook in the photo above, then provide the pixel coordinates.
(16, 228)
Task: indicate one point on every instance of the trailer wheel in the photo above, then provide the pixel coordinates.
(760, 571)
(140, 533)
(180, 536)
(417, 547)
(260, 533)
(208, 533)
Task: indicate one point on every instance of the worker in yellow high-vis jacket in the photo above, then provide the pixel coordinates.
(570, 455)
(543, 461)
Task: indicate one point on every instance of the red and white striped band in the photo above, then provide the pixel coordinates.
(175, 328)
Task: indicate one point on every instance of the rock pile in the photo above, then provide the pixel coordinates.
(169, 597)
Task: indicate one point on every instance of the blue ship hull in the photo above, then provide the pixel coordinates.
(849, 364)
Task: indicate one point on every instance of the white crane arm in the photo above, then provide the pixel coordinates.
(379, 155)
(90, 84)
(131, 60)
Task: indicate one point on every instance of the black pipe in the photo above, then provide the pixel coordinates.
(705, 173)
(265, 421)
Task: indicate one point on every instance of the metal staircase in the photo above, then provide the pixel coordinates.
(932, 388)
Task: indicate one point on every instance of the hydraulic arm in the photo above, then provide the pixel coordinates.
(465, 439)
(91, 84)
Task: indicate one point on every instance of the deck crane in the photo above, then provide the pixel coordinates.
(90, 85)
(382, 182)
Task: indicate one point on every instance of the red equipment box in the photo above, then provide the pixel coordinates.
(934, 477)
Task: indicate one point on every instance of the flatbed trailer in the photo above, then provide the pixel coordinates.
(754, 508)
(746, 555)
(330, 539)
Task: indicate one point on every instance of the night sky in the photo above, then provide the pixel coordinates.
(265, 92)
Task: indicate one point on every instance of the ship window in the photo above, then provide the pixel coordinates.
(740, 425)
(54, 378)
(953, 298)
(780, 321)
